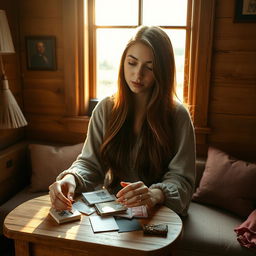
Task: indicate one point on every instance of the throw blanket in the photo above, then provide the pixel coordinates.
(246, 232)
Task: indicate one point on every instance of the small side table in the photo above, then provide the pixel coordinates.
(36, 233)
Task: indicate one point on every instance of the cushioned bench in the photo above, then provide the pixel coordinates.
(207, 230)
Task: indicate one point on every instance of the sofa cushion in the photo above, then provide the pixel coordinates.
(210, 231)
(228, 183)
(48, 161)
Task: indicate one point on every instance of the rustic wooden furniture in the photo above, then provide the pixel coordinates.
(36, 233)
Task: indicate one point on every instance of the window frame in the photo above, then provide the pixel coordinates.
(92, 42)
(77, 58)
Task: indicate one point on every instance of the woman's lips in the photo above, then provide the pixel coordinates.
(135, 84)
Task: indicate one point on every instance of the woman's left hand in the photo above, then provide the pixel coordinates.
(137, 193)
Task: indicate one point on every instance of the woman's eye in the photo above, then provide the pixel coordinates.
(131, 63)
(149, 68)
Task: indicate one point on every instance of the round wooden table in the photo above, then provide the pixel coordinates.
(36, 233)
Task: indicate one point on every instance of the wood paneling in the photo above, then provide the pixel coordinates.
(44, 93)
(232, 112)
(54, 128)
(232, 95)
(44, 9)
(50, 95)
(12, 165)
(239, 100)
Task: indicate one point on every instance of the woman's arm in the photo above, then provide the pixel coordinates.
(87, 168)
(178, 182)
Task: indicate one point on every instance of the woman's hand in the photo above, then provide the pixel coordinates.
(62, 192)
(137, 193)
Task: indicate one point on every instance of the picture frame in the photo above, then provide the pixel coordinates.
(245, 11)
(41, 52)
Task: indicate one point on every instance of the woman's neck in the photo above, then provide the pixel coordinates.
(140, 106)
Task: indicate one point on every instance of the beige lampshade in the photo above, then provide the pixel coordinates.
(6, 45)
(10, 113)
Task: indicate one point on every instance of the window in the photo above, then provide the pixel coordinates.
(79, 55)
(110, 28)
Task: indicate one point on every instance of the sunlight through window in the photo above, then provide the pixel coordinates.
(114, 22)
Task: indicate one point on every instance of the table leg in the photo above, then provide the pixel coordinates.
(21, 248)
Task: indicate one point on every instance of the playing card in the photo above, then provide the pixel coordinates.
(126, 225)
(101, 224)
(83, 208)
(139, 211)
(127, 214)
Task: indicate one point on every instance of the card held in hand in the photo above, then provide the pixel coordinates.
(158, 230)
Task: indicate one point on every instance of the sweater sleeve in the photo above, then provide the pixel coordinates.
(87, 168)
(178, 182)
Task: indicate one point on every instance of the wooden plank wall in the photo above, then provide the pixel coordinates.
(44, 91)
(232, 114)
(232, 110)
(12, 68)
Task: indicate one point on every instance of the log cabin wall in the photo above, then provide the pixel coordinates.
(44, 91)
(12, 68)
(232, 109)
(232, 104)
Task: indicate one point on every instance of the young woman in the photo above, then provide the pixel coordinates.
(140, 143)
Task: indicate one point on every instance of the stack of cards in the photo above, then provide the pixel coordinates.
(134, 212)
(109, 208)
(65, 216)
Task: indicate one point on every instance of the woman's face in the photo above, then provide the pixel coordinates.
(138, 68)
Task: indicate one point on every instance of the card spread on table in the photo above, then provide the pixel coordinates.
(98, 196)
(103, 224)
(139, 211)
(126, 225)
(127, 214)
(81, 206)
(110, 208)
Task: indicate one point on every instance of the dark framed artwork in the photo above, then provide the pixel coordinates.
(245, 11)
(41, 52)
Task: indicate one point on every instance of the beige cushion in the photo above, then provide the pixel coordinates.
(48, 161)
(228, 183)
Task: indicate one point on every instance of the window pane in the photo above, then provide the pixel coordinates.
(165, 12)
(178, 38)
(110, 46)
(116, 12)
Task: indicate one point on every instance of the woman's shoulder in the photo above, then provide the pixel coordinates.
(180, 108)
(105, 104)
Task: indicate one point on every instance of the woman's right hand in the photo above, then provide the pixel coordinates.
(62, 192)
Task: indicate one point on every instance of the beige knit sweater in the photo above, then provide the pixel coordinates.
(177, 182)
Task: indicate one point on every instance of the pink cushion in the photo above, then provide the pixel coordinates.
(48, 161)
(228, 183)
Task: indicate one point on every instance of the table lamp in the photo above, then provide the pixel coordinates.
(10, 113)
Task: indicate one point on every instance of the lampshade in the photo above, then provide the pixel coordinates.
(6, 45)
(10, 113)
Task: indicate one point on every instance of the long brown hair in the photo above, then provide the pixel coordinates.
(156, 146)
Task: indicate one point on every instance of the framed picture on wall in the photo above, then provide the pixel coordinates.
(41, 52)
(245, 11)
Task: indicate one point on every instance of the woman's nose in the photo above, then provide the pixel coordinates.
(139, 72)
